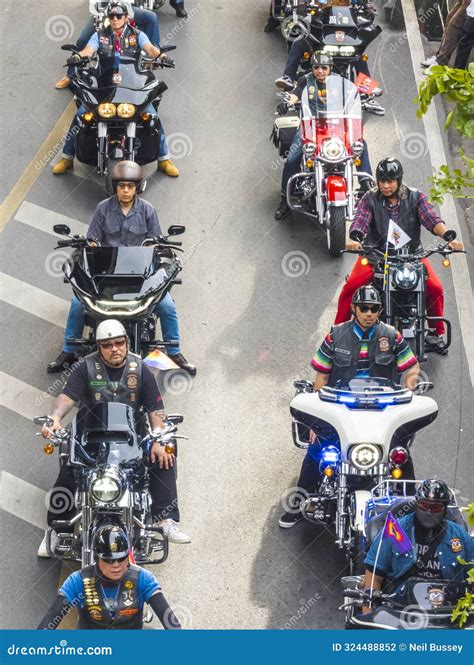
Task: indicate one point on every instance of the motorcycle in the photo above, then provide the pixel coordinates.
(117, 124)
(365, 431)
(332, 147)
(417, 603)
(124, 283)
(401, 280)
(110, 460)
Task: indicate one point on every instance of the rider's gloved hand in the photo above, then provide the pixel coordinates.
(166, 60)
(48, 430)
(282, 108)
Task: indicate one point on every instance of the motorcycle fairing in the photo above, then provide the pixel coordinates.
(336, 190)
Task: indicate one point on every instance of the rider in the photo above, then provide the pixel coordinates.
(410, 209)
(437, 544)
(361, 348)
(112, 226)
(322, 65)
(112, 374)
(120, 38)
(111, 593)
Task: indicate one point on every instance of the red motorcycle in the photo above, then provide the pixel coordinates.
(331, 137)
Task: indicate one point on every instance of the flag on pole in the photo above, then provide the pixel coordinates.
(397, 236)
(394, 532)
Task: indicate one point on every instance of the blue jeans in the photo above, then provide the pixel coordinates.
(69, 150)
(165, 311)
(293, 162)
(144, 19)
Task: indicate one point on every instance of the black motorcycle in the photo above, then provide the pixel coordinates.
(402, 282)
(108, 451)
(117, 123)
(124, 283)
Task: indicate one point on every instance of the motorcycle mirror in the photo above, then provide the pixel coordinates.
(176, 230)
(175, 418)
(62, 229)
(68, 47)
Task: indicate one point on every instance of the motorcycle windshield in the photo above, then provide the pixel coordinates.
(338, 112)
(122, 84)
(122, 273)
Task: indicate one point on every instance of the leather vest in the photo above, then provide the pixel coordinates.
(128, 43)
(346, 347)
(408, 219)
(316, 95)
(102, 389)
(124, 612)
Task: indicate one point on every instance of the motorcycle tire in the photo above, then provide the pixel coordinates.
(356, 563)
(336, 233)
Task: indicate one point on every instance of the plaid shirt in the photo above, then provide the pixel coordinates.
(363, 216)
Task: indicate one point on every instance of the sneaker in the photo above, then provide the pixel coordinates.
(371, 106)
(287, 520)
(42, 550)
(285, 82)
(62, 362)
(171, 529)
(429, 61)
(181, 361)
(435, 341)
(377, 92)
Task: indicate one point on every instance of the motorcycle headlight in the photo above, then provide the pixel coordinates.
(347, 50)
(106, 110)
(105, 489)
(357, 148)
(124, 308)
(309, 149)
(364, 456)
(406, 277)
(331, 49)
(126, 110)
(333, 149)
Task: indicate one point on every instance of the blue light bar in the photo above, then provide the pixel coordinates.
(330, 455)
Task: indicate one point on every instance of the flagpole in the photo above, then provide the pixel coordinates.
(385, 265)
(378, 552)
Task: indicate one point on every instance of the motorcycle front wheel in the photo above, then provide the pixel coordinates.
(336, 231)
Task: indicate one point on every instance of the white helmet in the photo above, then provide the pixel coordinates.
(109, 330)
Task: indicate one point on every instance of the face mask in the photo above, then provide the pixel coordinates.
(429, 520)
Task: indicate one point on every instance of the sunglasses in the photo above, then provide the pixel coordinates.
(325, 68)
(369, 308)
(119, 343)
(111, 561)
(431, 507)
(117, 16)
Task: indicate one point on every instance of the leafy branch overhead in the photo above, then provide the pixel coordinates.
(456, 86)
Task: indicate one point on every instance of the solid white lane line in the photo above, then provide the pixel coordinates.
(459, 267)
(23, 500)
(24, 399)
(43, 219)
(33, 300)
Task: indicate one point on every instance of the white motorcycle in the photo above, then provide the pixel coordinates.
(364, 434)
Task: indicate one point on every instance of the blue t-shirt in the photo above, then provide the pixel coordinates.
(94, 40)
(73, 588)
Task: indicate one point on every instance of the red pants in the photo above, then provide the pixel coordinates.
(362, 275)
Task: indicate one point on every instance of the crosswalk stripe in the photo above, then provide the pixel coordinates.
(23, 500)
(33, 300)
(43, 219)
(22, 398)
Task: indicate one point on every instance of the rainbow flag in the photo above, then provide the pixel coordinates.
(396, 534)
(159, 360)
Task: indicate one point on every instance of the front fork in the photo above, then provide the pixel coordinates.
(125, 151)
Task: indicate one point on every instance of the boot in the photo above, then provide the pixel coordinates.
(283, 209)
(271, 25)
(63, 165)
(167, 167)
(181, 361)
(63, 83)
(62, 362)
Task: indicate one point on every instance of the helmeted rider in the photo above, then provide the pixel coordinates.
(437, 542)
(111, 43)
(114, 374)
(111, 593)
(361, 348)
(410, 209)
(124, 220)
(316, 81)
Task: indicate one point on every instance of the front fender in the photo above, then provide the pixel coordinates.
(336, 190)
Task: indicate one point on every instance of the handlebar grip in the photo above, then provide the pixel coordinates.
(353, 593)
(177, 243)
(64, 243)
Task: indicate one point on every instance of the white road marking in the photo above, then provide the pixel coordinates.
(24, 399)
(43, 219)
(459, 267)
(23, 500)
(33, 300)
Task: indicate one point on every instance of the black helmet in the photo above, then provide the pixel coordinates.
(433, 490)
(129, 172)
(117, 8)
(110, 542)
(367, 295)
(321, 58)
(389, 169)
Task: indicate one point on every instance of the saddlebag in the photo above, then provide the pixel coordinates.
(284, 131)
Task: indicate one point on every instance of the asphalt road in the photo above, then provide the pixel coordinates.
(250, 327)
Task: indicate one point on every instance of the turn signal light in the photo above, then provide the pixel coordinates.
(397, 474)
(328, 471)
(364, 57)
(364, 261)
(87, 117)
(309, 163)
(146, 117)
(357, 162)
(306, 55)
(446, 263)
(48, 449)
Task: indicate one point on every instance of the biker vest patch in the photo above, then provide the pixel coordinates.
(102, 389)
(128, 43)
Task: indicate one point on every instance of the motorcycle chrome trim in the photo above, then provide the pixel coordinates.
(360, 498)
(131, 130)
(102, 130)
